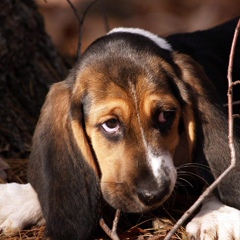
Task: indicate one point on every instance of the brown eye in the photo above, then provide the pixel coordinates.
(163, 119)
(111, 126)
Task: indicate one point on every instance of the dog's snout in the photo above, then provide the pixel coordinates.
(153, 197)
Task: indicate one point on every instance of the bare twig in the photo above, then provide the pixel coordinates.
(82, 18)
(105, 18)
(80, 22)
(236, 115)
(111, 233)
(234, 103)
(231, 144)
(235, 82)
(76, 13)
(115, 221)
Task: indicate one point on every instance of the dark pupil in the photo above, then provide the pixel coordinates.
(167, 114)
(112, 123)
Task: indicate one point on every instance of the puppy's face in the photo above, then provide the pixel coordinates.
(132, 118)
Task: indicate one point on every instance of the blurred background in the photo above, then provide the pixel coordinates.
(162, 17)
(21, 100)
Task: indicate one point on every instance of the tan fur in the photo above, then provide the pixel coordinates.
(121, 163)
(118, 162)
(119, 129)
(83, 145)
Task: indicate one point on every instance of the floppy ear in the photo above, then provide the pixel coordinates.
(61, 169)
(210, 128)
(184, 150)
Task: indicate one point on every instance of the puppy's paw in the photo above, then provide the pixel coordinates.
(19, 207)
(215, 221)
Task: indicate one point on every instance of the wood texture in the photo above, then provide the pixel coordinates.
(29, 64)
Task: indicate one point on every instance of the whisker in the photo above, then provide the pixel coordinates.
(184, 180)
(197, 166)
(190, 174)
(176, 189)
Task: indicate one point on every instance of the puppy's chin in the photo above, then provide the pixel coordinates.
(128, 200)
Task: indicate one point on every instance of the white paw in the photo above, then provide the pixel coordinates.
(215, 221)
(19, 207)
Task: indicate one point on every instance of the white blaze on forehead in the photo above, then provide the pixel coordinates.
(161, 42)
(158, 163)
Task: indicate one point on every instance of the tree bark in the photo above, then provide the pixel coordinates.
(29, 64)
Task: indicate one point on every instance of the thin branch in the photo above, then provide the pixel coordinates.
(76, 13)
(111, 233)
(82, 18)
(156, 237)
(81, 28)
(231, 145)
(235, 83)
(236, 115)
(80, 22)
(115, 221)
(105, 18)
(230, 98)
(234, 103)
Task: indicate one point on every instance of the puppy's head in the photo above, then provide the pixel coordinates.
(118, 126)
(127, 92)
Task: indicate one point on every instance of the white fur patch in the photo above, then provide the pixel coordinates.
(19, 207)
(155, 163)
(158, 163)
(161, 42)
(215, 221)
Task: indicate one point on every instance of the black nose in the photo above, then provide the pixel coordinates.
(149, 197)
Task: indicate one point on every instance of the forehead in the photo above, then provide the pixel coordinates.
(109, 80)
(119, 64)
(120, 52)
(120, 93)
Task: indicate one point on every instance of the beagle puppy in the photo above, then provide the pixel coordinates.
(131, 113)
